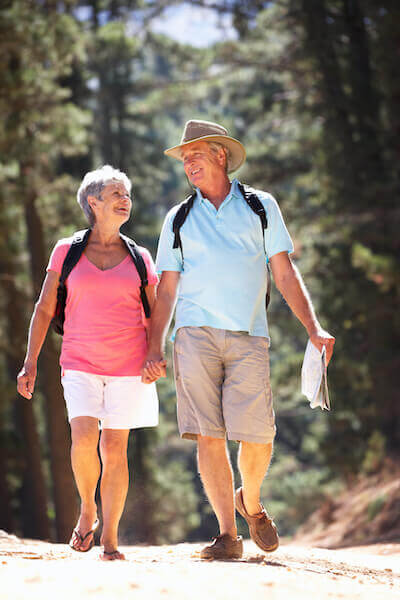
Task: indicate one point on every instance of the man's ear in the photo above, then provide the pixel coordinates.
(222, 157)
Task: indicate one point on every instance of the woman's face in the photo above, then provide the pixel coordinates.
(115, 204)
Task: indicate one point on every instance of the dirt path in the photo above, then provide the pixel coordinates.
(38, 570)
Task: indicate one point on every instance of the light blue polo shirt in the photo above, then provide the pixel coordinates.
(223, 275)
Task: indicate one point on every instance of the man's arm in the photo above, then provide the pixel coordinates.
(154, 365)
(289, 282)
(42, 315)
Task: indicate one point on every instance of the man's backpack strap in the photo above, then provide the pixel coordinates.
(257, 207)
(179, 219)
(141, 269)
(255, 204)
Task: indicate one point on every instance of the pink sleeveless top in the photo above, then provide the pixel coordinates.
(105, 326)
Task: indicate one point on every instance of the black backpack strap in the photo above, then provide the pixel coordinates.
(179, 219)
(255, 204)
(74, 253)
(141, 269)
(257, 207)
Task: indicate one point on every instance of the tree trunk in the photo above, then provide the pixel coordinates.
(65, 498)
(141, 527)
(364, 100)
(35, 521)
(339, 141)
(6, 516)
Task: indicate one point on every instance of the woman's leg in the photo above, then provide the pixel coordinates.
(113, 487)
(86, 467)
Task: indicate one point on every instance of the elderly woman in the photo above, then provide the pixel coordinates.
(103, 348)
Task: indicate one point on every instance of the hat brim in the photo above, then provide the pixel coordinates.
(236, 149)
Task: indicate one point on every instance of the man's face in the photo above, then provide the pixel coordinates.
(203, 166)
(115, 204)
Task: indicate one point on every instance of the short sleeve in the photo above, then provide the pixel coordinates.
(58, 255)
(277, 237)
(150, 266)
(168, 258)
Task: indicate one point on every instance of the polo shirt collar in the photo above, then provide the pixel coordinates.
(234, 191)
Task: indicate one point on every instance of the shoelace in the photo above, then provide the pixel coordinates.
(263, 514)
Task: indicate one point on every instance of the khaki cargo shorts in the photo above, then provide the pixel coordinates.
(222, 385)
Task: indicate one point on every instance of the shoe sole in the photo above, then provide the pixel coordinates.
(221, 557)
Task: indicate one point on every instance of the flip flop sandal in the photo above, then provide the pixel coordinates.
(82, 538)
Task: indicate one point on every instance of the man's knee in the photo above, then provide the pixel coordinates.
(254, 447)
(212, 443)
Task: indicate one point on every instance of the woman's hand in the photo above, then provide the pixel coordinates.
(26, 380)
(154, 367)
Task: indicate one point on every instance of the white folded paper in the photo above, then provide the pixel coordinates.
(314, 383)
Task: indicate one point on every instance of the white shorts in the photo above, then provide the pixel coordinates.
(117, 402)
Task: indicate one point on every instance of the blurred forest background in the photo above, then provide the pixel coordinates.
(312, 89)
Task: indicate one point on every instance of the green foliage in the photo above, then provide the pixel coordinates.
(375, 453)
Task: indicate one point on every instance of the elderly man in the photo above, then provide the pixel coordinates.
(214, 251)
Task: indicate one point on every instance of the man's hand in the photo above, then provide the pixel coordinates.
(154, 367)
(321, 338)
(26, 380)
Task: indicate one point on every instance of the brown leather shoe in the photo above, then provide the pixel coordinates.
(262, 528)
(223, 546)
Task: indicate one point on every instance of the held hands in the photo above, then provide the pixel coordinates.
(26, 380)
(321, 338)
(154, 367)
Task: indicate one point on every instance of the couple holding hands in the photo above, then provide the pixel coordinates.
(212, 261)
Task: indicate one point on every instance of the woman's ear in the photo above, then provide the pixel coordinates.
(92, 201)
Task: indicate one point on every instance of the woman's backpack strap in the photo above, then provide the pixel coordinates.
(141, 269)
(74, 253)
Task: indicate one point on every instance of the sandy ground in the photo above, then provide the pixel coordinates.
(32, 569)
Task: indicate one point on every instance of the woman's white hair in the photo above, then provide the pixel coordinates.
(94, 182)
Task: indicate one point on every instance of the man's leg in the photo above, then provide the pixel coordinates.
(253, 463)
(217, 477)
(113, 487)
(249, 415)
(86, 468)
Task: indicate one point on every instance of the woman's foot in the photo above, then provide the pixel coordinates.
(82, 538)
(112, 555)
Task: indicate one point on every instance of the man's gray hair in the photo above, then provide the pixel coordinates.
(93, 184)
(216, 147)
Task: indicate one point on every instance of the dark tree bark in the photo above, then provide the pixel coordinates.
(6, 515)
(33, 498)
(141, 528)
(65, 498)
(339, 140)
(364, 97)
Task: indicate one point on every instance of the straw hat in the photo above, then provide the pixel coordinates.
(205, 131)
